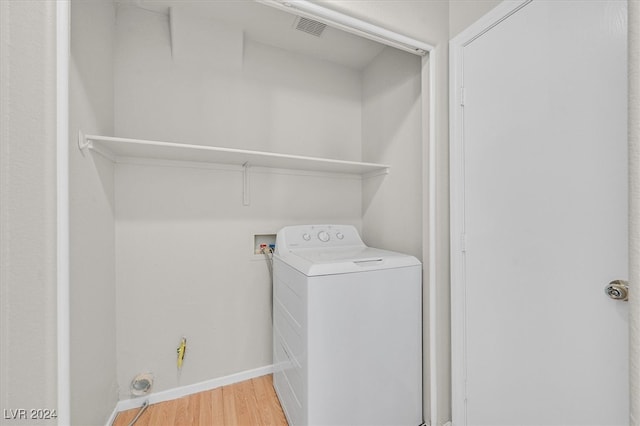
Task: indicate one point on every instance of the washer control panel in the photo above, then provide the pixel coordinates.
(324, 236)
(317, 236)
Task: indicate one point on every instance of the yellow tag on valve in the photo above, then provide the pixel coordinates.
(181, 351)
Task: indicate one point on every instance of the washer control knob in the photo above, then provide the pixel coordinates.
(323, 236)
(306, 236)
(339, 235)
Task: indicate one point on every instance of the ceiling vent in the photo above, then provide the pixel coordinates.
(309, 26)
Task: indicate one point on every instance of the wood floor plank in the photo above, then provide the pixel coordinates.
(218, 407)
(211, 408)
(183, 406)
(162, 414)
(229, 406)
(249, 403)
(267, 402)
(125, 417)
(144, 418)
(205, 416)
(246, 404)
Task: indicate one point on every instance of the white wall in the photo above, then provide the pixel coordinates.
(92, 230)
(184, 243)
(392, 134)
(275, 101)
(186, 268)
(27, 207)
(463, 13)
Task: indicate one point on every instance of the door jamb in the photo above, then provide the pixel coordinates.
(63, 340)
(456, 185)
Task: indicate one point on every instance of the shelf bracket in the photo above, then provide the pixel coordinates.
(245, 184)
(83, 142)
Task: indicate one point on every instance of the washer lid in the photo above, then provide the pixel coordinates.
(345, 260)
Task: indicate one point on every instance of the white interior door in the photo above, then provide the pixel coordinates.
(539, 216)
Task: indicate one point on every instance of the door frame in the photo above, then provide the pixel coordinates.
(63, 304)
(457, 192)
(430, 130)
(457, 236)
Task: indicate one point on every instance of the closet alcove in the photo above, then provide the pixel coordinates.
(162, 244)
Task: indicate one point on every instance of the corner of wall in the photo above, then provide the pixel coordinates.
(92, 234)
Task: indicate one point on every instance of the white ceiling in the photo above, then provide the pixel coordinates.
(276, 28)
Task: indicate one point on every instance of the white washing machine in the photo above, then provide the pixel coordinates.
(347, 337)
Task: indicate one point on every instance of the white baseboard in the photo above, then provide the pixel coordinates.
(169, 394)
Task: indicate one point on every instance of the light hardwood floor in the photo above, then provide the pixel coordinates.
(248, 403)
